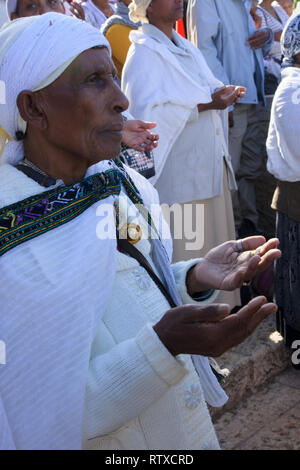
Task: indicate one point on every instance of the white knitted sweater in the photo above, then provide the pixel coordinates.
(54, 292)
(138, 395)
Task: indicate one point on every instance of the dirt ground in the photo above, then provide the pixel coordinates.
(267, 419)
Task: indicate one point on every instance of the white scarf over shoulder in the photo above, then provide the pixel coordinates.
(50, 304)
(149, 60)
(283, 138)
(54, 290)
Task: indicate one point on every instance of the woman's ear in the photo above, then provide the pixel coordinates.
(31, 110)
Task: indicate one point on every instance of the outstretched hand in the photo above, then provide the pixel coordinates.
(210, 330)
(229, 265)
(137, 135)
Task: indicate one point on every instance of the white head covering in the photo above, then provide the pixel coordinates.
(35, 51)
(138, 9)
(11, 7)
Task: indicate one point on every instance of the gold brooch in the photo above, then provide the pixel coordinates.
(132, 232)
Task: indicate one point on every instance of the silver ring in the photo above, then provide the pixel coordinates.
(239, 245)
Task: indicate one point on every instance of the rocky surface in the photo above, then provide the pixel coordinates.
(262, 356)
(267, 419)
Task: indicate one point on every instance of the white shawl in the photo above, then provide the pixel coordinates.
(283, 137)
(152, 77)
(53, 292)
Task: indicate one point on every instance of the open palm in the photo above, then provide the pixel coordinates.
(137, 135)
(226, 268)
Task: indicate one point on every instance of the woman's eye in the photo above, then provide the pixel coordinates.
(31, 6)
(95, 78)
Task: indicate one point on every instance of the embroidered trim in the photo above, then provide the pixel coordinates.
(38, 214)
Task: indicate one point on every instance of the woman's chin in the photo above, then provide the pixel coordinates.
(108, 154)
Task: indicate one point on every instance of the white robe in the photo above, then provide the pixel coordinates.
(159, 89)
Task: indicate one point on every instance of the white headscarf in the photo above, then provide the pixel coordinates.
(138, 10)
(35, 51)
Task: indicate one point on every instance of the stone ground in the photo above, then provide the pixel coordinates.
(267, 419)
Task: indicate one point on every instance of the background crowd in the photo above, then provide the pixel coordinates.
(219, 82)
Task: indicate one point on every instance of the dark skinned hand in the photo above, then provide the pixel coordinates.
(258, 39)
(226, 268)
(224, 97)
(137, 135)
(210, 331)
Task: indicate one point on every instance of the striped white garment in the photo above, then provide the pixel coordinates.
(269, 21)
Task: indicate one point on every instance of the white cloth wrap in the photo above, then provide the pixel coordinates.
(284, 129)
(31, 49)
(138, 10)
(48, 336)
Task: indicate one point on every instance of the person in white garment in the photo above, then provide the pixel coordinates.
(136, 133)
(193, 169)
(284, 163)
(98, 341)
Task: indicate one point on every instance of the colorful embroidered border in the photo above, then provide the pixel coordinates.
(38, 214)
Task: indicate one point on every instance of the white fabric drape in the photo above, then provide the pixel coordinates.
(55, 292)
(283, 138)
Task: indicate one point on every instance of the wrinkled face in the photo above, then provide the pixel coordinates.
(166, 11)
(83, 108)
(37, 7)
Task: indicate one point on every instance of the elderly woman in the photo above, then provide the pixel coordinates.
(91, 309)
(193, 169)
(284, 163)
(136, 133)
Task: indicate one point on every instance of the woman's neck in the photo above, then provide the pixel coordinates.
(55, 162)
(166, 28)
